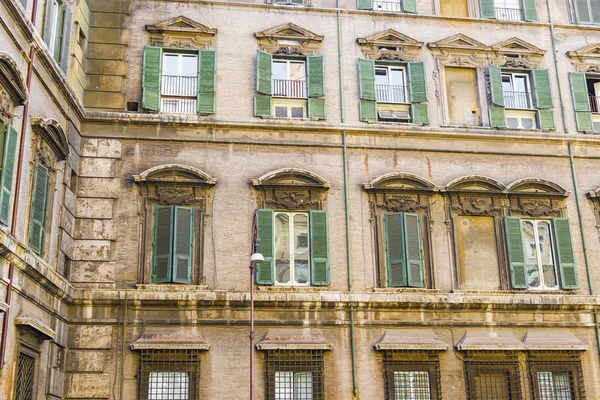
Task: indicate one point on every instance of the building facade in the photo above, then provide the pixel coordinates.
(420, 177)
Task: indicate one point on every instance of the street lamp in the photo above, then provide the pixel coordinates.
(255, 258)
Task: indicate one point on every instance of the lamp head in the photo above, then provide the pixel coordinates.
(257, 258)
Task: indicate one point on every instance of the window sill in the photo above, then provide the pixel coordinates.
(406, 289)
(516, 291)
(269, 288)
(170, 287)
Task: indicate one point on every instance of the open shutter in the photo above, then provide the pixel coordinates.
(394, 250)
(582, 11)
(368, 110)
(37, 225)
(48, 22)
(162, 244)
(265, 271)
(65, 47)
(207, 68)
(414, 251)
(497, 117)
(364, 4)
(516, 255)
(183, 242)
(366, 72)
(419, 113)
(417, 82)
(8, 169)
(263, 106)
(264, 81)
(566, 254)
(584, 122)
(488, 9)
(319, 248)
(530, 10)
(410, 6)
(315, 76)
(546, 120)
(496, 85)
(316, 108)
(151, 77)
(543, 93)
(581, 101)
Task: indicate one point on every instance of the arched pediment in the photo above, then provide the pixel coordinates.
(536, 186)
(291, 177)
(13, 90)
(175, 173)
(400, 181)
(51, 131)
(475, 183)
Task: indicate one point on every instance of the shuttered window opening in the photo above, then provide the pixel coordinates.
(585, 89)
(509, 10)
(294, 375)
(388, 6)
(57, 31)
(540, 254)
(493, 375)
(8, 141)
(411, 375)
(587, 11)
(404, 250)
(290, 2)
(169, 374)
(556, 375)
(173, 244)
(39, 204)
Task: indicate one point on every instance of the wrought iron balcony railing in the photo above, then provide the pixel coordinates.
(519, 100)
(594, 103)
(179, 105)
(390, 93)
(174, 85)
(509, 14)
(288, 88)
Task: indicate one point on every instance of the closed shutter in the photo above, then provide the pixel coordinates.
(543, 93)
(417, 82)
(410, 6)
(488, 9)
(162, 245)
(316, 108)
(48, 22)
(315, 76)
(65, 48)
(420, 114)
(566, 254)
(516, 255)
(496, 85)
(151, 78)
(394, 250)
(368, 110)
(319, 248)
(530, 10)
(584, 121)
(263, 106)
(546, 120)
(366, 72)
(183, 242)
(264, 82)
(414, 252)
(8, 169)
(582, 11)
(265, 271)
(497, 117)
(207, 75)
(364, 4)
(37, 225)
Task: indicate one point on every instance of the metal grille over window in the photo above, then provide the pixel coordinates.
(493, 376)
(169, 374)
(556, 375)
(294, 375)
(25, 374)
(411, 375)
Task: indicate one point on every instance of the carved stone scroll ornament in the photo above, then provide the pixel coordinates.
(537, 207)
(402, 203)
(586, 59)
(291, 189)
(175, 195)
(477, 205)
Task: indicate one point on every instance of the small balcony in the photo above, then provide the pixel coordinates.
(517, 100)
(594, 103)
(387, 6)
(509, 14)
(178, 94)
(289, 88)
(390, 94)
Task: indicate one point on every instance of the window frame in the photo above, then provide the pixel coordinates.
(27, 351)
(512, 75)
(589, 10)
(389, 68)
(481, 363)
(291, 240)
(295, 361)
(175, 361)
(553, 252)
(168, 51)
(519, 9)
(556, 361)
(411, 361)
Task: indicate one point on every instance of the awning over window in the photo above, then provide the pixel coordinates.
(410, 339)
(38, 327)
(294, 339)
(183, 338)
(489, 340)
(553, 339)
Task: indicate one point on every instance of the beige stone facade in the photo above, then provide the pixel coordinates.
(85, 309)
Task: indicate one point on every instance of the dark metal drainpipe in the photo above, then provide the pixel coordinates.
(11, 269)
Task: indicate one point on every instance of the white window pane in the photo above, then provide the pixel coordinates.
(279, 70)
(381, 76)
(512, 123)
(301, 253)
(303, 386)
(189, 65)
(411, 385)
(520, 84)
(397, 77)
(297, 71)
(170, 64)
(531, 255)
(168, 386)
(282, 247)
(527, 123)
(284, 388)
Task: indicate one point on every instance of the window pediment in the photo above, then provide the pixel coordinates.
(517, 53)
(475, 183)
(517, 46)
(54, 135)
(289, 39)
(13, 90)
(292, 189)
(586, 59)
(460, 50)
(390, 45)
(537, 197)
(181, 32)
(536, 186)
(399, 182)
(400, 192)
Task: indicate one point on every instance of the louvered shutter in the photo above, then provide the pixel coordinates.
(394, 250)
(366, 72)
(319, 248)
(315, 76)
(496, 85)
(497, 117)
(65, 49)
(316, 108)
(37, 225)
(581, 101)
(207, 75)
(162, 244)
(488, 9)
(516, 254)
(151, 78)
(264, 81)
(183, 241)
(368, 110)
(566, 254)
(414, 252)
(364, 4)
(265, 271)
(584, 121)
(410, 6)
(546, 120)
(582, 11)
(420, 113)
(530, 10)
(8, 169)
(543, 93)
(417, 82)
(263, 106)
(48, 22)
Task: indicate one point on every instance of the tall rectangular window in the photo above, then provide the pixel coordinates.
(8, 152)
(391, 84)
(508, 10)
(454, 8)
(516, 90)
(463, 97)
(57, 30)
(173, 244)
(387, 5)
(292, 261)
(179, 86)
(587, 11)
(37, 218)
(404, 250)
(585, 89)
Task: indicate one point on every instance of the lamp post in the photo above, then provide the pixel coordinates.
(255, 258)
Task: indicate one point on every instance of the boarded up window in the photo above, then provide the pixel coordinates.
(463, 101)
(478, 264)
(454, 8)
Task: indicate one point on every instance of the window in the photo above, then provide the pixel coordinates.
(37, 224)
(556, 375)
(292, 263)
(585, 89)
(8, 151)
(536, 248)
(509, 10)
(294, 375)
(463, 96)
(179, 82)
(403, 250)
(289, 2)
(289, 82)
(454, 8)
(587, 11)
(26, 371)
(516, 90)
(392, 91)
(169, 374)
(493, 376)
(173, 247)
(389, 6)
(411, 375)
(57, 31)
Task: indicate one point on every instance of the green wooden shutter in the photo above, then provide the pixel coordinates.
(496, 85)
(48, 21)
(516, 254)
(414, 251)
(394, 250)
(566, 254)
(207, 78)
(8, 169)
(151, 78)
(264, 81)
(543, 93)
(497, 117)
(263, 106)
(584, 121)
(58, 20)
(366, 73)
(364, 4)
(546, 120)
(265, 271)
(316, 108)
(488, 9)
(368, 110)
(420, 114)
(417, 82)
(65, 49)
(315, 76)
(183, 244)
(410, 6)
(530, 10)
(162, 244)
(37, 225)
(319, 248)
(579, 91)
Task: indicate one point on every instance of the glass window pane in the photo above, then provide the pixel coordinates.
(297, 112)
(527, 123)
(397, 77)
(279, 70)
(507, 83)
(189, 65)
(545, 242)
(282, 248)
(297, 71)
(512, 122)
(381, 77)
(283, 385)
(531, 255)
(281, 112)
(170, 64)
(168, 386)
(563, 384)
(301, 252)
(413, 385)
(303, 386)
(520, 84)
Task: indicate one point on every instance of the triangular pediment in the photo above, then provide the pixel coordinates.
(518, 46)
(390, 38)
(459, 41)
(593, 51)
(181, 24)
(288, 31)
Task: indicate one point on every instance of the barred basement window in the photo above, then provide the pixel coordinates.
(294, 375)
(493, 376)
(25, 377)
(169, 374)
(556, 376)
(411, 375)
